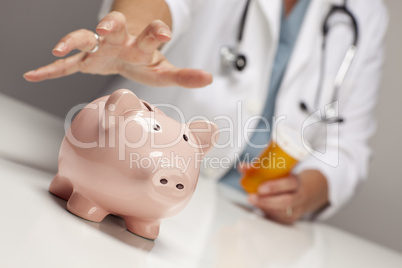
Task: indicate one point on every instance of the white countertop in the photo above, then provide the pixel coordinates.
(37, 231)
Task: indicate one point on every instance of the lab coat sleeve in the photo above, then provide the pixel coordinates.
(180, 11)
(347, 147)
(104, 8)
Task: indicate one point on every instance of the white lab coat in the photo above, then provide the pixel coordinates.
(202, 27)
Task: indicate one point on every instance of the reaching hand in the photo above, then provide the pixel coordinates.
(287, 199)
(281, 200)
(134, 57)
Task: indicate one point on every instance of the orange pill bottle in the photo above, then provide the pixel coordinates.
(284, 151)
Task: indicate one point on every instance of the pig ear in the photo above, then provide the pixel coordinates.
(207, 134)
(121, 101)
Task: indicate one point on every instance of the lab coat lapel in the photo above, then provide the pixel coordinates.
(306, 42)
(272, 12)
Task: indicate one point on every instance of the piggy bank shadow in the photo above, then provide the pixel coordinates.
(113, 226)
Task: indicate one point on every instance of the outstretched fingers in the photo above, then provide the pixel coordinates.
(59, 68)
(164, 74)
(136, 57)
(152, 37)
(114, 27)
(192, 78)
(82, 39)
(150, 40)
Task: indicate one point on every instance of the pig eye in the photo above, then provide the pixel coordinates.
(163, 181)
(185, 137)
(157, 127)
(148, 106)
(179, 186)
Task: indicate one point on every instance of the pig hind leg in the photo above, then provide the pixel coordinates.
(145, 228)
(84, 208)
(61, 187)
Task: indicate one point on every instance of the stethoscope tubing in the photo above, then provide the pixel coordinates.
(345, 65)
(231, 57)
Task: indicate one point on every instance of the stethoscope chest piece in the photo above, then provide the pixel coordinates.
(231, 59)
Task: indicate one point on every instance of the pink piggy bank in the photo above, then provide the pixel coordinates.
(122, 156)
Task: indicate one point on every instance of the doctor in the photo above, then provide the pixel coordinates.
(287, 75)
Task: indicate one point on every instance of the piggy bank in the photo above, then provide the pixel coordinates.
(125, 157)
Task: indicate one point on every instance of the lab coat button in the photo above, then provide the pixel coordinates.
(253, 106)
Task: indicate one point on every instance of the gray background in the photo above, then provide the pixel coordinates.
(30, 29)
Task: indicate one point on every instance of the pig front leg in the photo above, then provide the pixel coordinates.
(61, 187)
(146, 228)
(84, 208)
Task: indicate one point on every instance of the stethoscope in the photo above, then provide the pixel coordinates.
(231, 58)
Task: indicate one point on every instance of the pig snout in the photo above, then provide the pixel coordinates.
(172, 184)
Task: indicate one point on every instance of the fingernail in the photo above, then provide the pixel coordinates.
(264, 189)
(60, 46)
(165, 32)
(252, 198)
(29, 73)
(106, 25)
